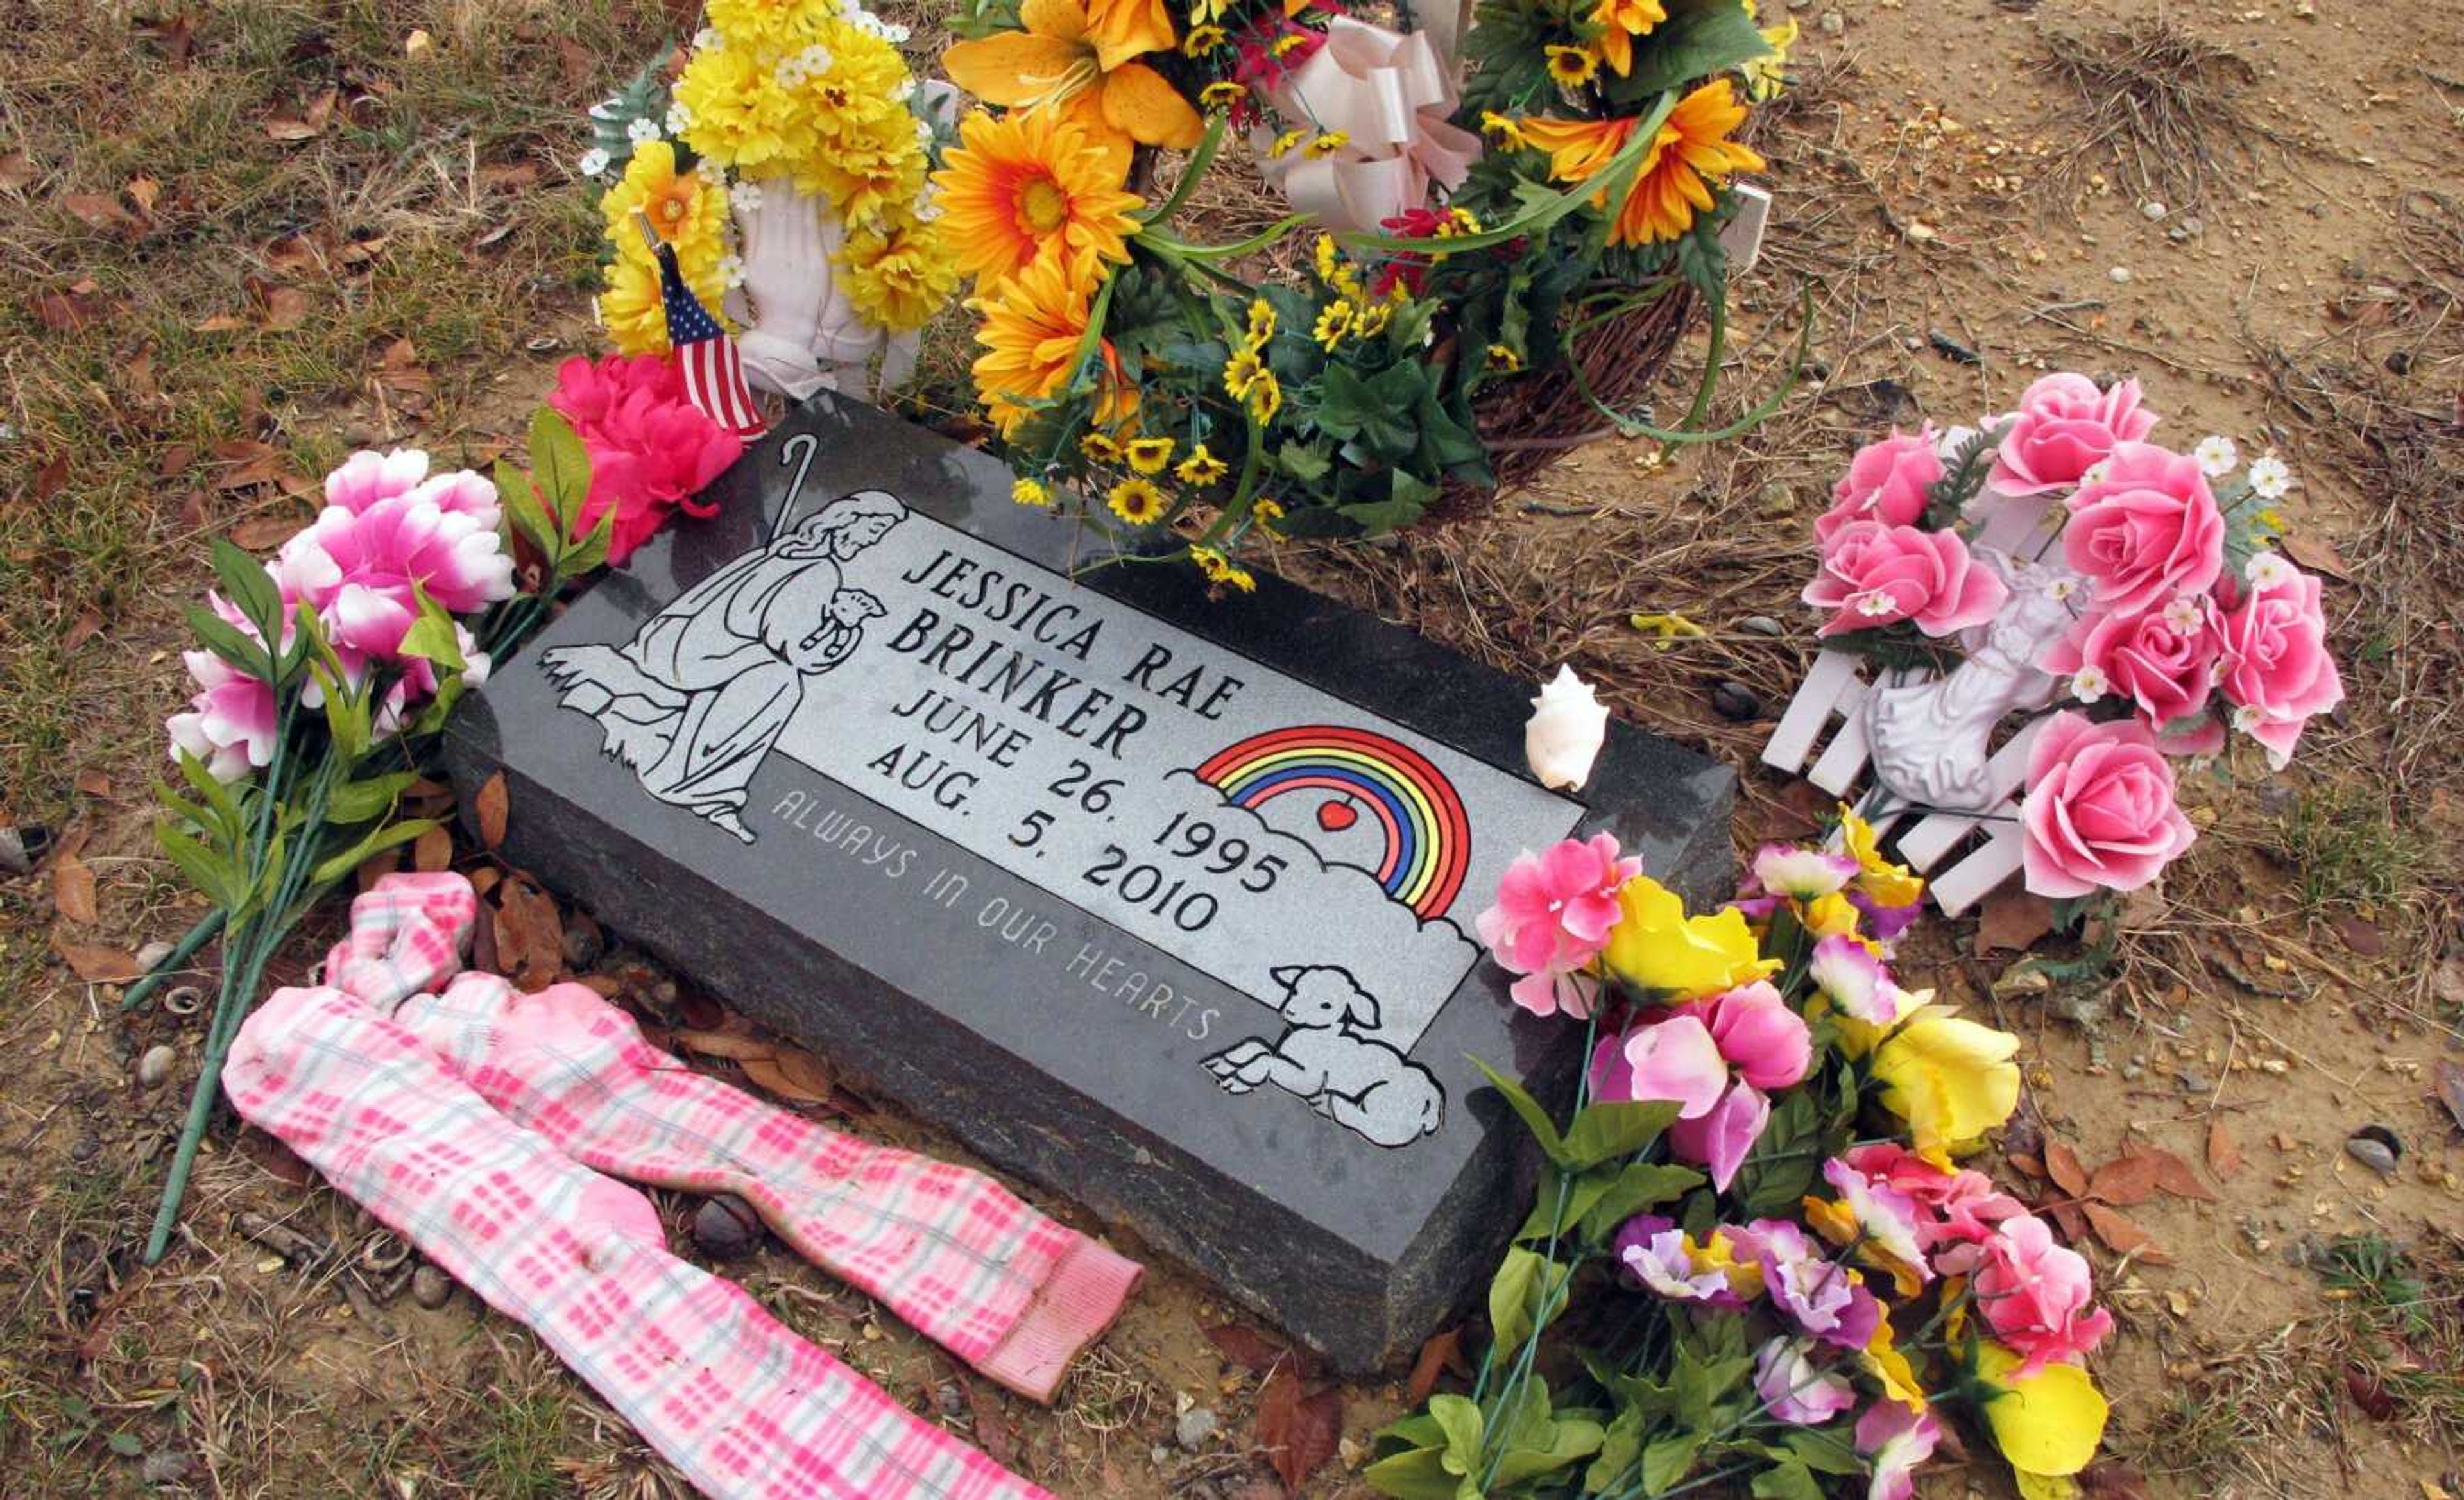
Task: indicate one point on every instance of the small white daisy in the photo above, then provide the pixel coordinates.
(817, 60)
(2089, 683)
(1875, 603)
(641, 132)
(896, 32)
(746, 196)
(711, 173)
(593, 162)
(2216, 455)
(790, 73)
(731, 271)
(2183, 613)
(2060, 588)
(679, 118)
(2269, 477)
(2267, 569)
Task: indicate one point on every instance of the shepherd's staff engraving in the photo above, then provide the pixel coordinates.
(695, 701)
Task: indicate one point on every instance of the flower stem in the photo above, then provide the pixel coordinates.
(180, 953)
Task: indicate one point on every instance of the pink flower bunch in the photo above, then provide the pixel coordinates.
(1554, 913)
(229, 724)
(2099, 810)
(1875, 574)
(2064, 426)
(1717, 1060)
(1886, 481)
(2036, 1296)
(1947, 1207)
(651, 449)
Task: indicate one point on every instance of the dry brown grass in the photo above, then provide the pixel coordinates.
(2154, 101)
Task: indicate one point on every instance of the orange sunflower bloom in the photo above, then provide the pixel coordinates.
(1058, 64)
(1032, 327)
(1031, 188)
(1692, 152)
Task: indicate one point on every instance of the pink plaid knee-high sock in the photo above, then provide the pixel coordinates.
(961, 1258)
(742, 1407)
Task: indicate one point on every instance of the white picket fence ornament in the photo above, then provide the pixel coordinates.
(1926, 737)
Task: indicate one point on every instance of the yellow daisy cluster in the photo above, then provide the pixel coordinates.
(686, 209)
(1354, 314)
(1246, 376)
(816, 93)
(1220, 569)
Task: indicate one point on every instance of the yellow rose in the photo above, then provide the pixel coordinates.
(1951, 1080)
(1656, 946)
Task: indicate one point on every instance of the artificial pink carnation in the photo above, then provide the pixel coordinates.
(2035, 1295)
(1885, 482)
(651, 450)
(368, 476)
(356, 570)
(230, 723)
(2277, 671)
(2146, 530)
(2064, 426)
(1554, 913)
(1875, 575)
(2099, 809)
(2162, 661)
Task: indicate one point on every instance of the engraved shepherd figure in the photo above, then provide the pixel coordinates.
(1327, 1058)
(695, 701)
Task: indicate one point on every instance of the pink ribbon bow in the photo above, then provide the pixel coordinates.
(1390, 95)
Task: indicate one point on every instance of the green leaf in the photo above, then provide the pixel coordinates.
(1700, 37)
(1604, 1131)
(1569, 1441)
(1420, 1475)
(432, 636)
(207, 871)
(244, 579)
(1419, 1431)
(357, 802)
(1639, 1186)
(561, 465)
(1535, 1118)
(231, 642)
(1525, 1296)
(592, 554)
(376, 841)
(1303, 461)
(1620, 1445)
(346, 713)
(217, 796)
(128, 1444)
(1828, 1450)
(1787, 1480)
(1463, 1427)
(1701, 1385)
(1668, 1460)
(526, 515)
(1377, 517)
(1564, 1199)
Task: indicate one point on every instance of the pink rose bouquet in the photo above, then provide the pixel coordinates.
(2146, 530)
(1886, 481)
(2274, 647)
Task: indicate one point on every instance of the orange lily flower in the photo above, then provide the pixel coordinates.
(1691, 152)
(1063, 62)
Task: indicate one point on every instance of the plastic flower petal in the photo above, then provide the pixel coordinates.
(1951, 1079)
(1802, 874)
(1792, 1389)
(1656, 946)
(1031, 331)
(1056, 65)
(1033, 188)
(1889, 884)
(1720, 1139)
(1896, 1441)
(1885, 1218)
(1890, 1368)
(2046, 1423)
(1656, 1252)
(1677, 1060)
(1691, 152)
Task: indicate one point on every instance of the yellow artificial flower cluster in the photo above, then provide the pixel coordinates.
(813, 94)
(686, 208)
(1220, 569)
(1247, 378)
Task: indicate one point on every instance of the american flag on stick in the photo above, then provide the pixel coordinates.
(713, 373)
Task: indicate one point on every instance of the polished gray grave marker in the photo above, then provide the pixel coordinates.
(1165, 902)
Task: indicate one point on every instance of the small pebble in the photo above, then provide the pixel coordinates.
(2194, 1083)
(2191, 222)
(1775, 498)
(2153, 209)
(584, 944)
(1194, 1426)
(431, 1288)
(155, 1066)
(2375, 1147)
(2119, 274)
(1160, 1455)
(953, 1400)
(1735, 701)
(21, 847)
(151, 956)
(1832, 22)
(1761, 624)
(726, 1227)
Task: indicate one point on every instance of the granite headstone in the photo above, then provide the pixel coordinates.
(1165, 902)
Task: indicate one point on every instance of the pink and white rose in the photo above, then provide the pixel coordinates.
(2278, 673)
(2144, 530)
(2099, 810)
(1875, 575)
(1886, 481)
(2064, 426)
(2163, 660)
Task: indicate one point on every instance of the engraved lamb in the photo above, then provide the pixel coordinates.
(1327, 1058)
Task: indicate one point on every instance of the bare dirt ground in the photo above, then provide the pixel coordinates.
(241, 242)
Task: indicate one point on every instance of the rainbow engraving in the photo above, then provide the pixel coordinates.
(1428, 834)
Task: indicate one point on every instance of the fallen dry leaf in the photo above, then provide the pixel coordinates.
(2173, 1174)
(490, 804)
(1248, 1348)
(2062, 1165)
(2317, 554)
(735, 1046)
(432, 851)
(2121, 1236)
(2361, 936)
(1442, 1352)
(2011, 920)
(95, 963)
(2125, 1181)
(791, 1073)
(248, 463)
(530, 935)
(80, 630)
(259, 533)
(97, 210)
(16, 173)
(73, 310)
(306, 125)
(145, 192)
(2224, 1155)
(992, 1422)
(73, 888)
(2449, 1081)
(93, 783)
(1299, 1431)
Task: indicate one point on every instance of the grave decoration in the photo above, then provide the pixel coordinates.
(784, 163)
(324, 673)
(1752, 1262)
(1463, 313)
(2061, 617)
(1167, 903)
